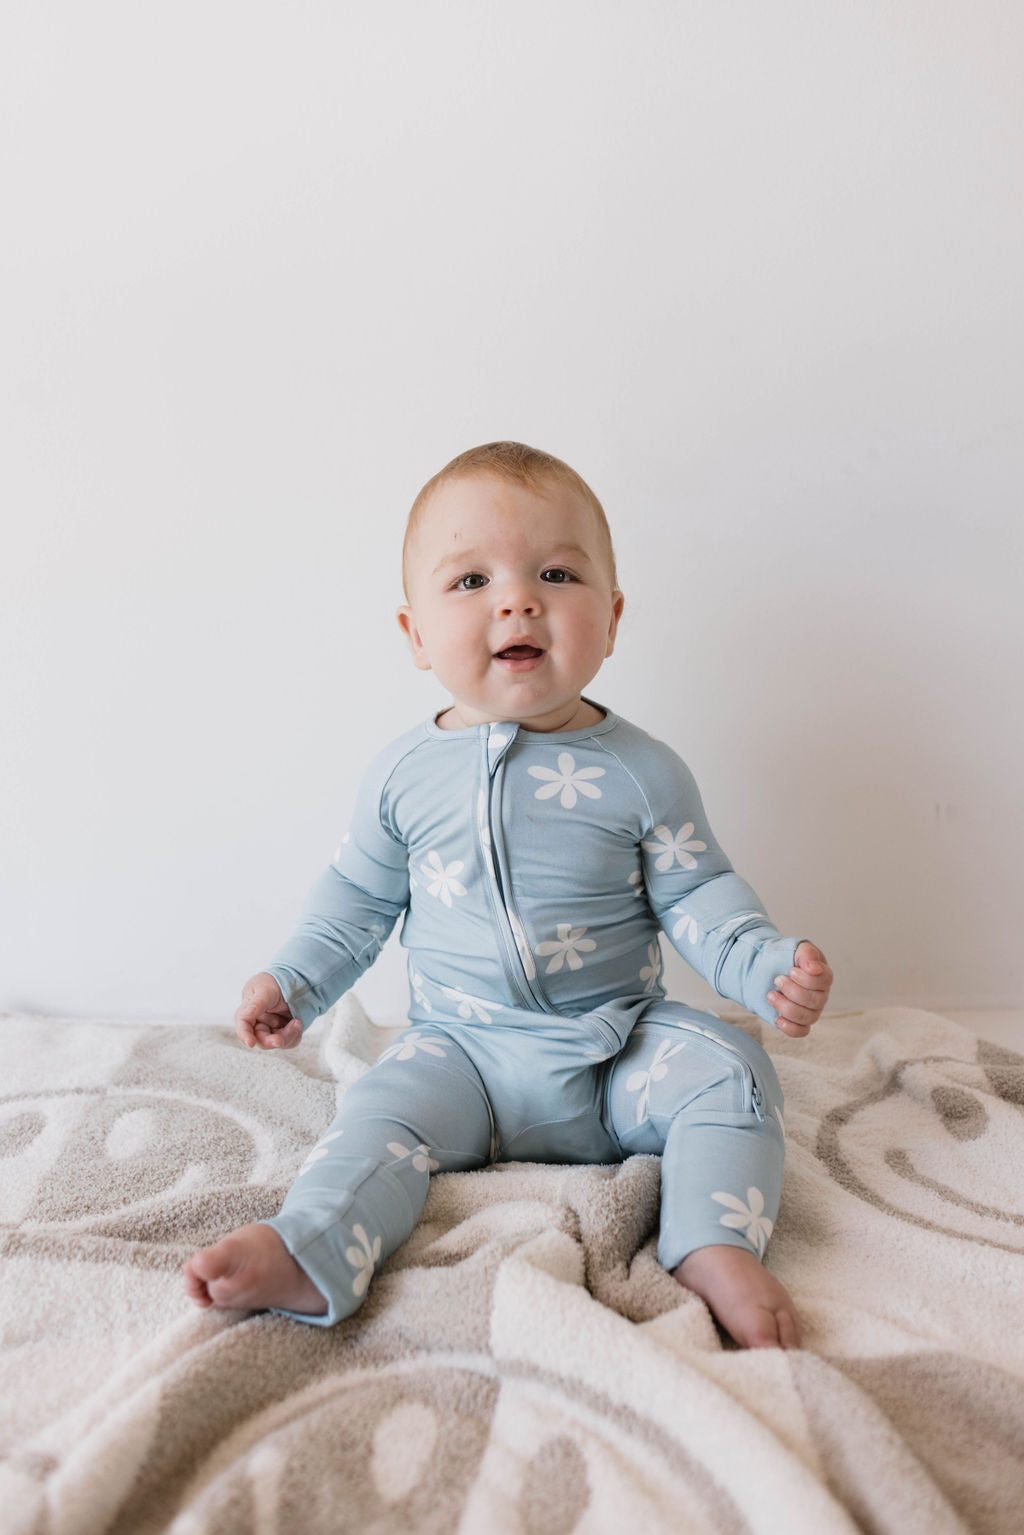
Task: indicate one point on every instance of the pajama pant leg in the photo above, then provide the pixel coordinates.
(714, 1115)
(421, 1108)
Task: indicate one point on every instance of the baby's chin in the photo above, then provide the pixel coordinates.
(549, 717)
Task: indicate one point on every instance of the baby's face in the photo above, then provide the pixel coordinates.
(511, 600)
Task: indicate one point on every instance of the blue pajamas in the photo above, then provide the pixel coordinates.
(535, 872)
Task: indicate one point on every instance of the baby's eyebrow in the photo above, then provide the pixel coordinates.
(469, 557)
(460, 557)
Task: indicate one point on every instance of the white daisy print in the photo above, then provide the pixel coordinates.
(686, 927)
(419, 994)
(567, 947)
(409, 1045)
(636, 879)
(671, 849)
(421, 1158)
(748, 1218)
(484, 830)
(318, 1153)
(649, 973)
(468, 1006)
(362, 1258)
(519, 934)
(738, 921)
(442, 878)
(569, 782)
(642, 1081)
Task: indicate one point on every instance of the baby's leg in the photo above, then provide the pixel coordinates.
(422, 1108)
(714, 1113)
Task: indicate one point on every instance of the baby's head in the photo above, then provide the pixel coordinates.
(516, 464)
(510, 584)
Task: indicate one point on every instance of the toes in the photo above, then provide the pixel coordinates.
(207, 1271)
(764, 1330)
(211, 1264)
(195, 1286)
(789, 1329)
(774, 1329)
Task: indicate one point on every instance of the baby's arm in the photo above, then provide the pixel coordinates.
(713, 917)
(345, 920)
(340, 932)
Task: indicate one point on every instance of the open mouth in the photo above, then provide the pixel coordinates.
(520, 653)
(519, 658)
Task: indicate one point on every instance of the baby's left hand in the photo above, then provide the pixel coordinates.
(799, 998)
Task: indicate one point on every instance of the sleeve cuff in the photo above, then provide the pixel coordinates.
(775, 957)
(300, 997)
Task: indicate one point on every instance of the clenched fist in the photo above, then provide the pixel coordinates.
(799, 998)
(264, 1018)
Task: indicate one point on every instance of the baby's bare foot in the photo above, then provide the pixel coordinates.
(751, 1304)
(251, 1270)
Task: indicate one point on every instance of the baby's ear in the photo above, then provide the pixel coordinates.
(412, 634)
(618, 603)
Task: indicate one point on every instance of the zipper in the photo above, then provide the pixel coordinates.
(502, 904)
(753, 1091)
(501, 900)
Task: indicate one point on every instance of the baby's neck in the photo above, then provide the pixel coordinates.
(577, 717)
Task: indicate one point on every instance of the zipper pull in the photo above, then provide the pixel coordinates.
(758, 1102)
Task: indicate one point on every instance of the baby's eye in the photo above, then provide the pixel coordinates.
(471, 582)
(556, 575)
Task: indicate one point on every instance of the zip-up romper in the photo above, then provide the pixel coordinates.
(535, 871)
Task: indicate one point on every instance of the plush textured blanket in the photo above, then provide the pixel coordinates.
(522, 1364)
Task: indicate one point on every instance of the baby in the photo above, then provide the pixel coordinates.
(537, 843)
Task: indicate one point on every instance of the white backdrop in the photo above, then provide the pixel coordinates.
(753, 270)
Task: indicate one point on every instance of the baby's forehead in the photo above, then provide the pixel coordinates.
(486, 505)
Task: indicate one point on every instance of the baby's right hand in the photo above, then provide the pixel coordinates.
(264, 1018)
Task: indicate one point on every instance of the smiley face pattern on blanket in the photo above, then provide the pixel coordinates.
(523, 1363)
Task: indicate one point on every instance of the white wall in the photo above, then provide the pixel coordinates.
(754, 270)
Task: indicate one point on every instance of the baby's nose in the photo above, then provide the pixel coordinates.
(519, 600)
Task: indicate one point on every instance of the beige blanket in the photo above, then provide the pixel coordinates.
(522, 1365)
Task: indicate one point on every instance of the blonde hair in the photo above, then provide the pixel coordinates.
(519, 464)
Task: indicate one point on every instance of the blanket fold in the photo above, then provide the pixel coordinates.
(522, 1364)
